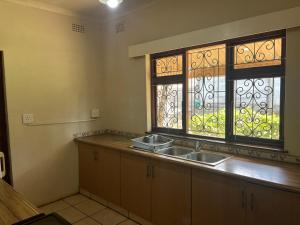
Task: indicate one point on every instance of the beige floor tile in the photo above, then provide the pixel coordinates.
(54, 207)
(87, 221)
(75, 199)
(129, 222)
(98, 199)
(119, 209)
(138, 219)
(71, 214)
(89, 207)
(108, 217)
(84, 192)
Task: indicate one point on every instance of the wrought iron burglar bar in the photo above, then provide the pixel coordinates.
(206, 91)
(231, 90)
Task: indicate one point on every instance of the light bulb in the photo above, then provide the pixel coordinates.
(112, 3)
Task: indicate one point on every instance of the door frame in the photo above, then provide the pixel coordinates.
(4, 144)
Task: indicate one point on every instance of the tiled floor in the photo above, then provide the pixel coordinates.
(80, 210)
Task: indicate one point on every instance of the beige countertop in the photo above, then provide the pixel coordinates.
(13, 207)
(284, 176)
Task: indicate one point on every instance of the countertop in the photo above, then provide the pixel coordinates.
(13, 207)
(274, 174)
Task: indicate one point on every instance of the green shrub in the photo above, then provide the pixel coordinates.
(247, 123)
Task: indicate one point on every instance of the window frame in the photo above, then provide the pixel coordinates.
(231, 76)
(171, 79)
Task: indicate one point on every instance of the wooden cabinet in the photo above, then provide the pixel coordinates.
(99, 172)
(269, 206)
(217, 200)
(171, 194)
(220, 200)
(156, 191)
(109, 175)
(88, 167)
(166, 193)
(136, 185)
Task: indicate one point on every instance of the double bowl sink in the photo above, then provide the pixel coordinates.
(204, 157)
(161, 145)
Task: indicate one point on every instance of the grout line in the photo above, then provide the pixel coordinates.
(75, 203)
(95, 220)
(91, 214)
(107, 207)
(122, 221)
(79, 219)
(85, 216)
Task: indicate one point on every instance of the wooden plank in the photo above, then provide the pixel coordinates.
(13, 206)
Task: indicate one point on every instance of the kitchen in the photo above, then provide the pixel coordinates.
(75, 69)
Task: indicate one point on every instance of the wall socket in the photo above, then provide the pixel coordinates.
(95, 113)
(27, 118)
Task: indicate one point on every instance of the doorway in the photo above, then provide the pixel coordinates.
(4, 138)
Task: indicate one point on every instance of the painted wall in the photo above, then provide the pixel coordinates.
(292, 106)
(55, 74)
(59, 75)
(125, 79)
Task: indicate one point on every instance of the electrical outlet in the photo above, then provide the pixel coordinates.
(95, 113)
(28, 118)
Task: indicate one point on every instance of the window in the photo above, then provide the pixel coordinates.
(206, 91)
(232, 90)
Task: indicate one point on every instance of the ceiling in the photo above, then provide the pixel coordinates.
(86, 8)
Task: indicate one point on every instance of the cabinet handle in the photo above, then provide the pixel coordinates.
(244, 199)
(252, 202)
(148, 171)
(152, 171)
(96, 156)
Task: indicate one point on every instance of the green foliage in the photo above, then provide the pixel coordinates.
(247, 123)
(209, 124)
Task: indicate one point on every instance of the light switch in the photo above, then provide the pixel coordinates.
(28, 118)
(95, 113)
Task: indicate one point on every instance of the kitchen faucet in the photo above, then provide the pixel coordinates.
(198, 146)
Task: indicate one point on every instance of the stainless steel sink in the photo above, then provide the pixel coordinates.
(208, 158)
(176, 152)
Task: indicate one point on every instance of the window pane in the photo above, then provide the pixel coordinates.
(257, 108)
(206, 91)
(169, 106)
(257, 54)
(169, 66)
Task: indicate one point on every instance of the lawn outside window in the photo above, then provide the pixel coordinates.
(231, 90)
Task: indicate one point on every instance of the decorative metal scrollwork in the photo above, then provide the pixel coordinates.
(169, 66)
(257, 108)
(206, 91)
(169, 109)
(262, 53)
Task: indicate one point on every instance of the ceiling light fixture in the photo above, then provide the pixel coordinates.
(112, 3)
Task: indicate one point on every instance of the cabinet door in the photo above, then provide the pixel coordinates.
(108, 175)
(171, 194)
(267, 206)
(136, 185)
(217, 200)
(88, 167)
